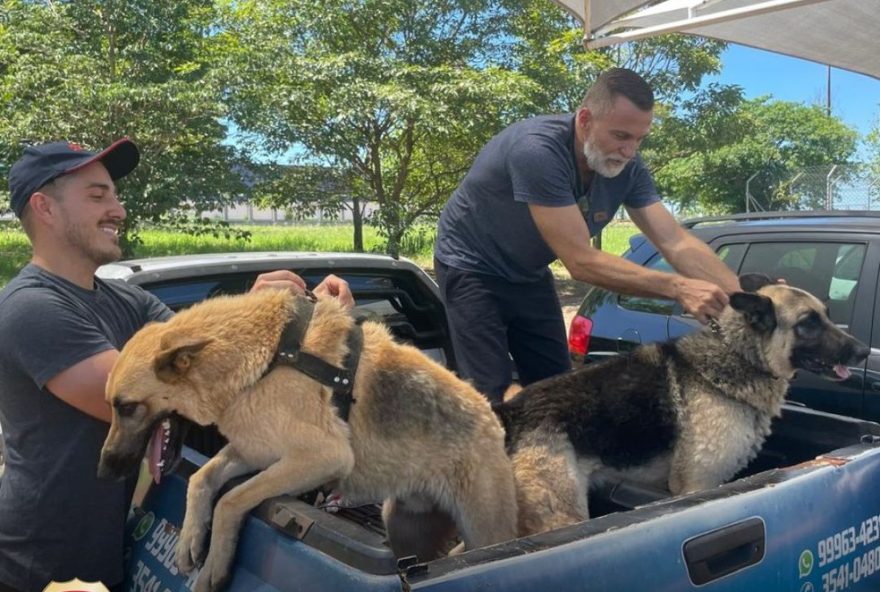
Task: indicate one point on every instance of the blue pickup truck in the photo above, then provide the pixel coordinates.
(803, 516)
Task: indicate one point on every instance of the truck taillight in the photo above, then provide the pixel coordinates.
(579, 335)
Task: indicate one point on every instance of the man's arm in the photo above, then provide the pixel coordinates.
(82, 385)
(565, 231)
(689, 255)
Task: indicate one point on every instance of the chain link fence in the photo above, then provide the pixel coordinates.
(824, 187)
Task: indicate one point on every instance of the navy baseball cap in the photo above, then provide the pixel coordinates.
(41, 164)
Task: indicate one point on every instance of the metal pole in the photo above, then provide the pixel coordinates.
(587, 22)
(828, 184)
(749, 197)
(828, 93)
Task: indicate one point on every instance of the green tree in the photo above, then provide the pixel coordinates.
(395, 97)
(872, 142)
(549, 50)
(302, 190)
(95, 70)
(714, 144)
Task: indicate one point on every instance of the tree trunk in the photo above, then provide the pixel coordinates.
(357, 219)
(393, 246)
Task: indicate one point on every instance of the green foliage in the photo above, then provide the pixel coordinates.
(93, 70)
(872, 143)
(380, 101)
(549, 50)
(704, 154)
(15, 251)
(395, 97)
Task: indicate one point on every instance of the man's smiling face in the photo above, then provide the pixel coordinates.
(90, 213)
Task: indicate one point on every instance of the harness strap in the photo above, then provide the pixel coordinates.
(290, 353)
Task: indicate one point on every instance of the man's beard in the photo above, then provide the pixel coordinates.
(602, 163)
(87, 243)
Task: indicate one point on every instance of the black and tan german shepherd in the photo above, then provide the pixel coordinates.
(684, 415)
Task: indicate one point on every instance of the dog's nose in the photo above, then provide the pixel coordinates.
(858, 351)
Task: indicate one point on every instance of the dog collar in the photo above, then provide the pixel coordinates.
(290, 353)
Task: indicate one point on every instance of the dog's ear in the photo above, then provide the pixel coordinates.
(177, 355)
(752, 282)
(758, 310)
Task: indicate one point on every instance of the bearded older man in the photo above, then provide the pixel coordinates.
(538, 191)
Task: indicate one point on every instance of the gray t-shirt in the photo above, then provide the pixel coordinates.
(57, 519)
(486, 226)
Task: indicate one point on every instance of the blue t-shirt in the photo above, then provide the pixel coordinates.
(57, 519)
(486, 226)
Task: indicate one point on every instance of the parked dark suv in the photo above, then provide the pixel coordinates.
(834, 255)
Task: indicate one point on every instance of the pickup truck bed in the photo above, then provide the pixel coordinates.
(793, 498)
(804, 516)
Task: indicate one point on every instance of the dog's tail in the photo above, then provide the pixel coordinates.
(506, 408)
(502, 407)
(512, 390)
(502, 412)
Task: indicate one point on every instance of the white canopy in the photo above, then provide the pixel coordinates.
(841, 33)
(601, 12)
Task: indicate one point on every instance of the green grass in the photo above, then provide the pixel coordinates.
(615, 240)
(263, 238)
(418, 246)
(615, 237)
(15, 251)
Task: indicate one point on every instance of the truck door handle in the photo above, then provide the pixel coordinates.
(726, 550)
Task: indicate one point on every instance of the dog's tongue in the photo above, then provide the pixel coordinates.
(841, 371)
(155, 449)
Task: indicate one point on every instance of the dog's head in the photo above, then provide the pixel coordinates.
(153, 383)
(194, 366)
(794, 330)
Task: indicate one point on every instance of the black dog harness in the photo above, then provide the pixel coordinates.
(290, 353)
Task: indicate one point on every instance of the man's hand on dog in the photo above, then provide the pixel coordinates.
(280, 279)
(336, 287)
(704, 300)
(283, 279)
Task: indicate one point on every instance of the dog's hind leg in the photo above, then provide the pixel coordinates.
(551, 489)
(203, 486)
(304, 470)
(485, 507)
(418, 527)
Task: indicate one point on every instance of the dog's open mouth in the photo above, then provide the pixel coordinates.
(163, 452)
(834, 372)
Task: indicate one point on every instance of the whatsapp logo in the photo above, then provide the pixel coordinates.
(143, 526)
(805, 563)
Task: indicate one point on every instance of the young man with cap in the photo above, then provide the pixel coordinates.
(537, 192)
(61, 329)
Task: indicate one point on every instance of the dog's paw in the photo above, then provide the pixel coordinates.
(333, 502)
(212, 577)
(190, 549)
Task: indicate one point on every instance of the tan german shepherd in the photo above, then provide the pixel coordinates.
(417, 436)
(683, 416)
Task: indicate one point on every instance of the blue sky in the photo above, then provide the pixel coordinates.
(855, 98)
